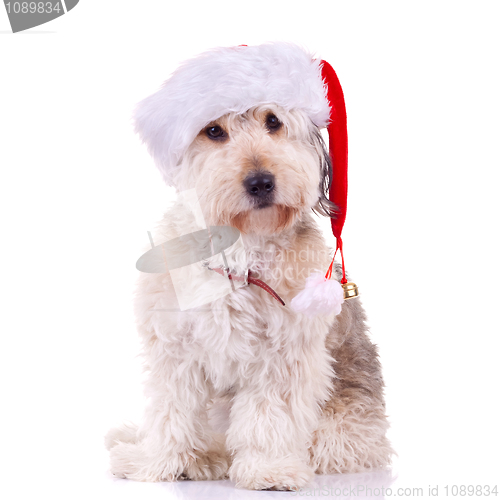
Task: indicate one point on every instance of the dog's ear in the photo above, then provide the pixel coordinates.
(323, 206)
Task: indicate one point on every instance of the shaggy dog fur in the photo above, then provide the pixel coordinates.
(300, 395)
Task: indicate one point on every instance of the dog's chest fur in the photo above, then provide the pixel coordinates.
(236, 336)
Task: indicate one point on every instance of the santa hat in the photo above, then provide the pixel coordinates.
(235, 79)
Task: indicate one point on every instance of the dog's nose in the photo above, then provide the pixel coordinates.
(259, 184)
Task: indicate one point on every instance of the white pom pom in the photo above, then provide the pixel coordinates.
(321, 296)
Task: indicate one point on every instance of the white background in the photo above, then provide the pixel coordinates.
(78, 194)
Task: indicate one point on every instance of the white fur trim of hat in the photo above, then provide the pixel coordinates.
(225, 80)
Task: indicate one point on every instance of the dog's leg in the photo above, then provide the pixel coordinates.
(351, 430)
(272, 419)
(126, 433)
(174, 440)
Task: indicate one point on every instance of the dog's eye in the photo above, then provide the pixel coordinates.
(215, 132)
(272, 123)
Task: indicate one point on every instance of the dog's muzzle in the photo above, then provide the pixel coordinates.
(260, 187)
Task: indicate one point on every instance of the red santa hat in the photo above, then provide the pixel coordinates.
(235, 79)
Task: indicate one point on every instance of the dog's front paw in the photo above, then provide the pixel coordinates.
(130, 461)
(259, 473)
(209, 465)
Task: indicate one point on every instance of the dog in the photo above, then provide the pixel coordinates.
(242, 387)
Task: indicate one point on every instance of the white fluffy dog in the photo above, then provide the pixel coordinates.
(244, 387)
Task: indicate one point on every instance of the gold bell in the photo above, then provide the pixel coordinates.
(350, 290)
